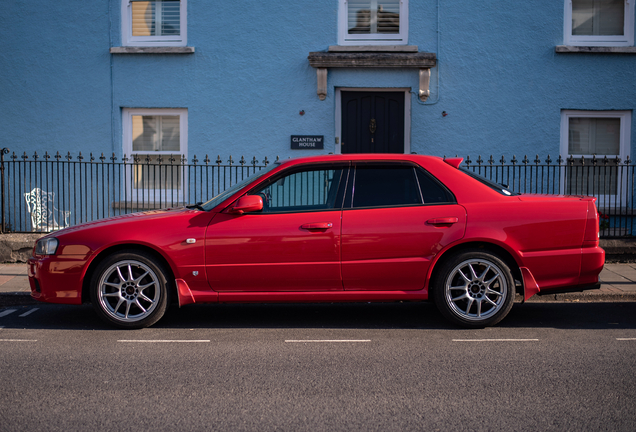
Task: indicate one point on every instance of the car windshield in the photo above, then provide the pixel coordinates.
(502, 189)
(209, 205)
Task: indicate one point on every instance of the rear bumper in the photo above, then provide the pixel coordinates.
(592, 262)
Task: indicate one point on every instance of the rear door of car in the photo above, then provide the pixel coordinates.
(396, 218)
(293, 244)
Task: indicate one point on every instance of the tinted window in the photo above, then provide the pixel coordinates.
(432, 191)
(385, 186)
(314, 189)
(491, 184)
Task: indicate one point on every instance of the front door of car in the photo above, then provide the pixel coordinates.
(396, 218)
(293, 244)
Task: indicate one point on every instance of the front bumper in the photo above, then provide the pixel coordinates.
(56, 279)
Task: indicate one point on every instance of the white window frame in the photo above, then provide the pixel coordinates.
(591, 40)
(373, 39)
(152, 41)
(624, 147)
(155, 195)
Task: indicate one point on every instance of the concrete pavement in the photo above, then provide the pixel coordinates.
(618, 284)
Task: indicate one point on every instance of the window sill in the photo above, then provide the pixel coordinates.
(151, 50)
(595, 49)
(373, 48)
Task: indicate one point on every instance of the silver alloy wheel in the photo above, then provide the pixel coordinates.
(476, 289)
(129, 291)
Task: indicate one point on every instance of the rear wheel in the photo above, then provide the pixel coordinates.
(474, 289)
(129, 290)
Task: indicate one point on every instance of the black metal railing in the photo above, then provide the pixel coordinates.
(48, 192)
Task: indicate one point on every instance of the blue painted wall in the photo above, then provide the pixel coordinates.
(501, 82)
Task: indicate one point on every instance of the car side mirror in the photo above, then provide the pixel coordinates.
(248, 203)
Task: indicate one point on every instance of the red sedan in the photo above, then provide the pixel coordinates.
(331, 228)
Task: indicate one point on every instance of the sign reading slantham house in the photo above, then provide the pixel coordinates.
(307, 142)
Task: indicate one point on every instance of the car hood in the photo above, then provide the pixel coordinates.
(139, 216)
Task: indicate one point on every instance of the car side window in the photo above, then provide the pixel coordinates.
(381, 186)
(432, 191)
(307, 190)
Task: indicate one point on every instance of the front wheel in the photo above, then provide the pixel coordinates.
(474, 289)
(129, 290)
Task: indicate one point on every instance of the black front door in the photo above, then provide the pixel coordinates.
(372, 122)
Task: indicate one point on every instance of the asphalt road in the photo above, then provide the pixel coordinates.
(366, 367)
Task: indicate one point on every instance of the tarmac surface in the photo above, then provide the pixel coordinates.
(618, 283)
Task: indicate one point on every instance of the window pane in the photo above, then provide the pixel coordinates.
(385, 186)
(156, 18)
(432, 192)
(589, 136)
(373, 16)
(155, 133)
(170, 18)
(598, 17)
(149, 174)
(302, 191)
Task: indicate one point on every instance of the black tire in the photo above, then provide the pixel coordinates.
(129, 289)
(474, 289)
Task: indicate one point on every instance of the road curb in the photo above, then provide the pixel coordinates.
(584, 297)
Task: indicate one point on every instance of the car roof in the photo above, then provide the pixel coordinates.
(359, 157)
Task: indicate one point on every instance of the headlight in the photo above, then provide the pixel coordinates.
(46, 246)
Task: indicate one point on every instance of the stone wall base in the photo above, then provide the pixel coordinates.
(17, 248)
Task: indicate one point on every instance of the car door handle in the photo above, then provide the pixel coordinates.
(317, 226)
(443, 221)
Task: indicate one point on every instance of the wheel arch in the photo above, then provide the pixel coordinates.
(126, 247)
(504, 254)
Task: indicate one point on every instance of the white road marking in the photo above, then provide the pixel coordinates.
(626, 339)
(495, 340)
(326, 340)
(166, 341)
(7, 312)
(29, 312)
(18, 340)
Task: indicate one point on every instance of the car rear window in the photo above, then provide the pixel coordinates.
(502, 189)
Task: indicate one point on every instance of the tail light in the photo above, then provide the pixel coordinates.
(592, 225)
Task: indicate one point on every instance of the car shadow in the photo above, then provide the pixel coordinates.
(425, 316)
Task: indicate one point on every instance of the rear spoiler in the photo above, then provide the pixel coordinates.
(454, 162)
